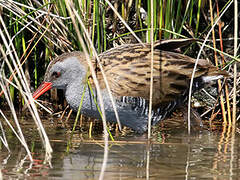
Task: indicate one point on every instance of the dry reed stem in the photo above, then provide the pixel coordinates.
(223, 63)
(23, 86)
(74, 13)
(3, 136)
(101, 68)
(195, 66)
(231, 169)
(216, 63)
(234, 114)
(6, 91)
(150, 95)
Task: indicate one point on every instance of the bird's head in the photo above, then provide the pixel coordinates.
(62, 71)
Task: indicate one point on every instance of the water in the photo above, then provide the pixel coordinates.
(172, 155)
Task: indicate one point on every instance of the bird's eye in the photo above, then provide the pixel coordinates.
(56, 74)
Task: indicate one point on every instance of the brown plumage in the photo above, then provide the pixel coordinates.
(128, 72)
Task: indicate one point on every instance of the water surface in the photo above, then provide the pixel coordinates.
(173, 155)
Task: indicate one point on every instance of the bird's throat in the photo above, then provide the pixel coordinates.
(79, 93)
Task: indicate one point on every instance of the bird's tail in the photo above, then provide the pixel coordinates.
(214, 74)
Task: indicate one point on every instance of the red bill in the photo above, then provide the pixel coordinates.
(44, 87)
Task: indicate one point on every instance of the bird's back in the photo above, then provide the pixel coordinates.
(128, 70)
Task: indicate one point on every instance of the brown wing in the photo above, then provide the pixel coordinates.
(128, 72)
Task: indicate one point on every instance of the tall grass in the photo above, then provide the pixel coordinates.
(37, 31)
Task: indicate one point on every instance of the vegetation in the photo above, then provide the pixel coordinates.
(34, 32)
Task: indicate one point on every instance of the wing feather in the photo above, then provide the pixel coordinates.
(127, 68)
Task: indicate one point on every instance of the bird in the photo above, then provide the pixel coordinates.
(128, 71)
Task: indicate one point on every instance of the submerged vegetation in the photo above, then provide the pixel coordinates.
(32, 33)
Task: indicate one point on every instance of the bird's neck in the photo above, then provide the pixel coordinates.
(79, 89)
(74, 92)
